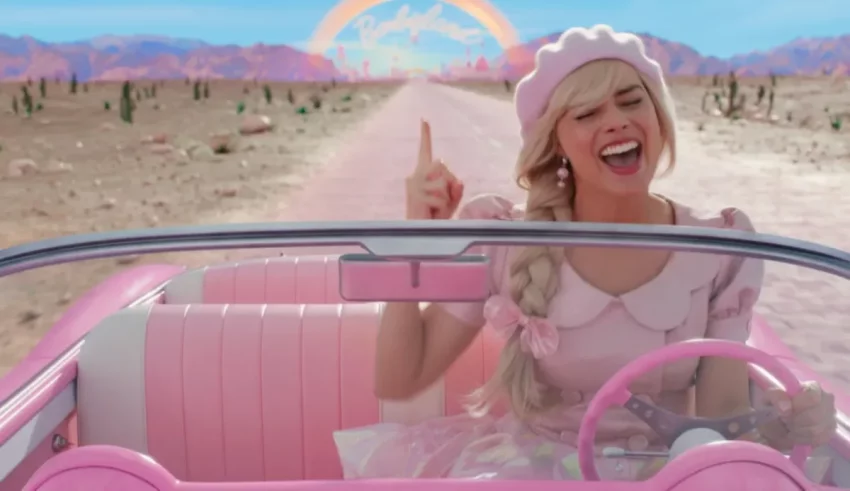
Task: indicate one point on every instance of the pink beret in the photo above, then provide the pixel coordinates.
(577, 46)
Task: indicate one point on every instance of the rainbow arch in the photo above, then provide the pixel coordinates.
(347, 10)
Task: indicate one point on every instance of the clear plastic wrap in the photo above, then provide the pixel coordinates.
(467, 447)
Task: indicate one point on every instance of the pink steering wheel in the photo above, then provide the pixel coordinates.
(669, 425)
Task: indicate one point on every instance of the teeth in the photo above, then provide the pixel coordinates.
(619, 148)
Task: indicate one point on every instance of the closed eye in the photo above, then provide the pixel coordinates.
(634, 102)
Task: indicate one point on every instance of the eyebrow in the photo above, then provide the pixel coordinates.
(628, 89)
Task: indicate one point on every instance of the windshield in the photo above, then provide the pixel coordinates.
(156, 115)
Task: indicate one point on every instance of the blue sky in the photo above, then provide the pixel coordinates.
(713, 27)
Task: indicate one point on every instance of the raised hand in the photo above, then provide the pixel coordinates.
(433, 192)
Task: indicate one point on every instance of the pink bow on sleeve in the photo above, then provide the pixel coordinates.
(537, 335)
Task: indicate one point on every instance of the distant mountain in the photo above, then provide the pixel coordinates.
(154, 57)
(799, 57)
(157, 57)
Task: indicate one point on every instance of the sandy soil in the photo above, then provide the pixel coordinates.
(791, 175)
(94, 173)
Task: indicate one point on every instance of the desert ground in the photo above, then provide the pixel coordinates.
(790, 172)
(75, 167)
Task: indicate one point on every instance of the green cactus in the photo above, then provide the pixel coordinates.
(74, 83)
(27, 100)
(107, 106)
(126, 103)
(732, 109)
(42, 87)
(206, 90)
(196, 90)
(15, 108)
(267, 93)
(240, 108)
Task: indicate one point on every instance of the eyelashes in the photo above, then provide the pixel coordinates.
(630, 103)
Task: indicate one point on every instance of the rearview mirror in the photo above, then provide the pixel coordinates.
(368, 278)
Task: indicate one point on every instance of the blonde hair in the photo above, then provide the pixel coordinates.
(534, 277)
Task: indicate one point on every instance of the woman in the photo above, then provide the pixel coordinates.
(596, 120)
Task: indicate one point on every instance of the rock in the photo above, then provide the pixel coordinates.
(158, 138)
(29, 316)
(226, 192)
(152, 220)
(21, 167)
(222, 142)
(254, 124)
(196, 150)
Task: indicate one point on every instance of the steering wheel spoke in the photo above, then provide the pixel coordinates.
(669, 425)
(735, 426)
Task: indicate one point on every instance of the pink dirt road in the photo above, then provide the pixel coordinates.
(478, 138)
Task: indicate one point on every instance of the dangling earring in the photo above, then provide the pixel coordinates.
(563, 172)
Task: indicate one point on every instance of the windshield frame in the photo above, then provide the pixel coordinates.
(422, 240)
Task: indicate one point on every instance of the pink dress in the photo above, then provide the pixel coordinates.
(696, 295)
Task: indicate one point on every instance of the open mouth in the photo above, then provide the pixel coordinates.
(623, 158)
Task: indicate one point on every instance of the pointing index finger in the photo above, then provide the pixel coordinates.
(425, 155)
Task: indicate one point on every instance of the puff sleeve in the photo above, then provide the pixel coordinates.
(736, 288)
(484, 207)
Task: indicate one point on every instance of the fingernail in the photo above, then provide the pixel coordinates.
(784, 406)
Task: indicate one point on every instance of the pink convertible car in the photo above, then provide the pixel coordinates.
(233, 377)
